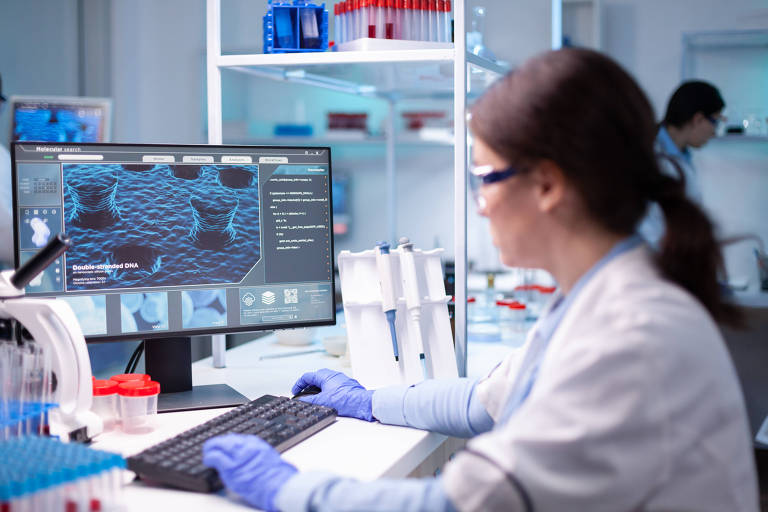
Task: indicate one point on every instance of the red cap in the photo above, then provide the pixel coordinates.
(342, 7)
(516, 305)
(350, 5)
(440, 5)
(432, 5)
(471, 299)
(104, 387)
(400, 4)
(128, 377)
(391, 4)
(382, 3)
(139, 388)
(547, 289)
(336, 9)
(447, 6)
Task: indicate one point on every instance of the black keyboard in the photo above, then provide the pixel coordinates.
(278, 420)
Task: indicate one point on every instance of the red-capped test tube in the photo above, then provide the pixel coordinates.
(389, 22)
(448, 34)
(336, 24)
(434, 34)
(407, 20)
(381, 14)
(424, 21)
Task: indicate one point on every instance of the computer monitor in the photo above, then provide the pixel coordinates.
(173, 241)
(60, 119)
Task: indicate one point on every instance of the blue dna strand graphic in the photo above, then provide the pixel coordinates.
(92, 190)
(212, 220)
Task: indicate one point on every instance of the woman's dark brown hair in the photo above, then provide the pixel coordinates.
(581, 110)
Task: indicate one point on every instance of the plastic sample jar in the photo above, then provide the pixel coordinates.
(105, 401)
(128, 377)
(138, 405)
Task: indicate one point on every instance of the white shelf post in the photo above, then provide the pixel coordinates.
(213, 36)
(460, 184)
(391, 177)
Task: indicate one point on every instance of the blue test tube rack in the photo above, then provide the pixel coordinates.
(283, 28)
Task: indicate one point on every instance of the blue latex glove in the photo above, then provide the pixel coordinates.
(249, 467)
(344, 394)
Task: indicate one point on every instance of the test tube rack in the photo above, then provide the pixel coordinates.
(283, 28)
(370, 343)
(41, 473)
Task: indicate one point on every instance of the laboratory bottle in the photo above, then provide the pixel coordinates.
(513, 322)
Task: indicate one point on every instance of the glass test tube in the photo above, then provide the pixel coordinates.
(424, 17)
(447, 36)
(389, 21)
(407, 20)
(381, 10)
(433, 16)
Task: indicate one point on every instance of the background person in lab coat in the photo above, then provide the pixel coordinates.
(693, 114)
(624, 396)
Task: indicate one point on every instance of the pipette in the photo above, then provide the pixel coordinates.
(388, 299)
(412, 296)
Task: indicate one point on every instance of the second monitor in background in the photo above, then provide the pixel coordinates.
(60, 119)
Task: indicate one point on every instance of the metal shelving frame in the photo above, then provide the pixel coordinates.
(378, 74)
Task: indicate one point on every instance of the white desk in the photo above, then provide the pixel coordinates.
(349, 447)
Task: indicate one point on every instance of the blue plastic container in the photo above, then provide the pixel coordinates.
(295, 27)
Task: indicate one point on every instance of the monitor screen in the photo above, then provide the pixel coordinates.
(60, 119)
(179, 240)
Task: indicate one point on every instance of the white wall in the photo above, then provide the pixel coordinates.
(38, 51)
(646, 37)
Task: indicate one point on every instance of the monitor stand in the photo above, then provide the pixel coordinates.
(169, 362)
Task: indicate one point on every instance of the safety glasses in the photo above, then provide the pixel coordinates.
(485, 175)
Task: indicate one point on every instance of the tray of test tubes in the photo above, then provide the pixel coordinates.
(396, 312)
(41, 473)
(365, 25)
(295, 27)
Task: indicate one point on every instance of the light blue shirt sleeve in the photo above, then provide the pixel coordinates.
(449, 407)
(321, 492)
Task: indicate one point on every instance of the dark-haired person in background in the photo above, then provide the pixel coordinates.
(624, 396)
(693, 114)
(6, 217)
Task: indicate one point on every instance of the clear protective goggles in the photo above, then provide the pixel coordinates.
(484, 175)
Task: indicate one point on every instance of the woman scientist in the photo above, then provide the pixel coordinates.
(693, 114)
(624, 397)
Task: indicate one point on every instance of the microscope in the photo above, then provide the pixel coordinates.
(52, 325)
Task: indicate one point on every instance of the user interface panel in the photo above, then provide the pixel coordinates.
(179, 239)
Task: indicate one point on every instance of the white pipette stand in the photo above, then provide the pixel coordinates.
(370, 342)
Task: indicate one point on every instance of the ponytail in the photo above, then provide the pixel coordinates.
(689, 254)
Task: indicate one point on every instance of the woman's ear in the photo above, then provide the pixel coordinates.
(548, 183)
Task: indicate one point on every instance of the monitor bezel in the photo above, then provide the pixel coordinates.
(186, 332)
(86, 101)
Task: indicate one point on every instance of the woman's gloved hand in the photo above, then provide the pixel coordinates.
(344, 394)
(249, 467)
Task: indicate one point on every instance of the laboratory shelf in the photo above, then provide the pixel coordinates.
(741, 138)
(414, 141)
(392, 75)
(397, 74)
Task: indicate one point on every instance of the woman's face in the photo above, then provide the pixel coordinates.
(510, 207)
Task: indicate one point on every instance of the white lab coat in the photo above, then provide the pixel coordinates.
(636, 407)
